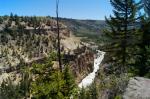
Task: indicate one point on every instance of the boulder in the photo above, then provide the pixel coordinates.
(138, 88)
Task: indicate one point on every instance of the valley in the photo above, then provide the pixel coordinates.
(92, 65)
(32, 43)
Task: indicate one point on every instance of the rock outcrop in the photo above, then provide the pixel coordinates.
(82, 64)
(138, 88)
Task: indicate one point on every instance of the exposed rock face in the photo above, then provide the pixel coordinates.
(82, 64)
(138, 88)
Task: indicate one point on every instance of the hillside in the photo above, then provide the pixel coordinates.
(80, 27)
(90, 30)
(26, 40)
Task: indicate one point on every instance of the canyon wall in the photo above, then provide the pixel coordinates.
(26, 42)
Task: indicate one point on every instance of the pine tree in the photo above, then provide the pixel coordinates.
(148, 64)
(118, 38)
(16, 19)
(8, 90)
(11, 17)
(50, 83)
(146, 4)
(82, 94)
(69, 85)
(93, 91)
(1, 20)
(46, 82)
(142, 64)
(25, 83)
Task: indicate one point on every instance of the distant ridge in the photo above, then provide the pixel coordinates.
(80, 27)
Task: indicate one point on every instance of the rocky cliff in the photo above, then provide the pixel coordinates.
(82, 64)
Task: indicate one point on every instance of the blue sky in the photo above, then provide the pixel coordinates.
(78, 9)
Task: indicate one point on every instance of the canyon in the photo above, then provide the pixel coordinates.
(27, 43)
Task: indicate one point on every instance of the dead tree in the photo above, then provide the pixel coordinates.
(58, 35)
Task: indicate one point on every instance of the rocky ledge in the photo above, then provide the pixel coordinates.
(138, 88)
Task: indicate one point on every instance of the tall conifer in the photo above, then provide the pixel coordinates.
(118, 38)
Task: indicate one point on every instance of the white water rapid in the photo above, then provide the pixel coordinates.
(89, 79)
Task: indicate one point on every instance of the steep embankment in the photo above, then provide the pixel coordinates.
(31, 39)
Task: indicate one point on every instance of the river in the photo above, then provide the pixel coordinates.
(90, 77)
